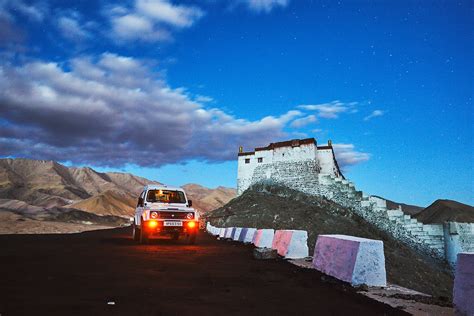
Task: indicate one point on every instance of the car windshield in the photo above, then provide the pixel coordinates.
(165, 196)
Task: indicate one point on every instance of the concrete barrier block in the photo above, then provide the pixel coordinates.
(246, 235)
(291, 244)
(463, 293)
(236, 233)
(215, 231)
(221, 232)
(228, 232)
(351, 259)
(263, 238)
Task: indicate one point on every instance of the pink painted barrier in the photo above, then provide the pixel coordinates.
(351, 259)
(291, 244)
(464, 284)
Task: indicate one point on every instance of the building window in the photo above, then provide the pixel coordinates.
(247, 160)
(260, 159)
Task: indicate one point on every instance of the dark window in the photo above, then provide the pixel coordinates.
(260, 159)
(247, 160)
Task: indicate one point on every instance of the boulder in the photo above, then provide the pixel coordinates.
(264, 253)
(291, 244)
(351, 259)
(263, 238)
(463, 293)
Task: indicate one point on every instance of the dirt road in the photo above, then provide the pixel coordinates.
(104, 272)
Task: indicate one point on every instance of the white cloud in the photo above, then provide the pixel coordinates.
(330, 110)
(151, 20)
(265, 5)
(303, 121)
(70, 28)
(112, 110)
(374, 113)
(162, 11)
(35, 11)
(346, 155)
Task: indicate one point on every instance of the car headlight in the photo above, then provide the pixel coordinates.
(154, 214)
(190, 215)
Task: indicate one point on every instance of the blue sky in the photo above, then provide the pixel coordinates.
(169, 89)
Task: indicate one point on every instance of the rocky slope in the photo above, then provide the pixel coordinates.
(446, 210)
(282, 208)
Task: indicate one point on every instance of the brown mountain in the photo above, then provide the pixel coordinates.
(446, 210)
(48, 184)
(205, 199)
(406, 208)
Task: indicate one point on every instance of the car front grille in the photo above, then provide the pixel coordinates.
(172, 215)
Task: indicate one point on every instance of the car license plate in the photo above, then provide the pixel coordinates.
(173, 224)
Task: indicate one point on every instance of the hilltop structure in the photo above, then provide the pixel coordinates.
(302, 165)
(298, 161)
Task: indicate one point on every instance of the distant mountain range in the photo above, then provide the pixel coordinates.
(37, 187)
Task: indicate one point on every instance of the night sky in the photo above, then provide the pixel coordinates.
(168, 90)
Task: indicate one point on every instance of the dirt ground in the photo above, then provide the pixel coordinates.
(11, 223)
(105, 272)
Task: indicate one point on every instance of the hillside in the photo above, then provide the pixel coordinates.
(446, 210)
(36, 189)
(206, 199)
(282, 208)
(406, 208)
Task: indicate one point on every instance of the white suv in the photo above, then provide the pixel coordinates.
(163, 210)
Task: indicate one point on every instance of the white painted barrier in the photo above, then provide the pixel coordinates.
(351, 259)
(236, 233)
(221, 232)
(263, 238)
(291, 244)
(228, 232)
(246, 235)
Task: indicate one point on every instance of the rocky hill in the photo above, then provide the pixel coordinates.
(37, 189)
(276, 207)
(446, 210)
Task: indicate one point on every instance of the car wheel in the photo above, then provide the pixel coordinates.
(143, 236)
(192, 239)
(136, 232)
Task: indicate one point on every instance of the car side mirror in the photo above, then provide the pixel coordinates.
(190, 203)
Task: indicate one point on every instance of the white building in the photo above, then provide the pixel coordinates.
(297, 161)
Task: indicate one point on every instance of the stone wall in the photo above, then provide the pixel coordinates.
(459, 237)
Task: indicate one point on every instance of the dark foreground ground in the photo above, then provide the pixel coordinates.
(79, 274)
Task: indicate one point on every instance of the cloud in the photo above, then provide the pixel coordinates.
(375, 113)
(330, 110)
(35, 12)
(265, 5)
(303, 121)
(71, 29)
(151, 20)
(112, 111)
(346, 155)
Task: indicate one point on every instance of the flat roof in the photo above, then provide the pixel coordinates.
(287, 143)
